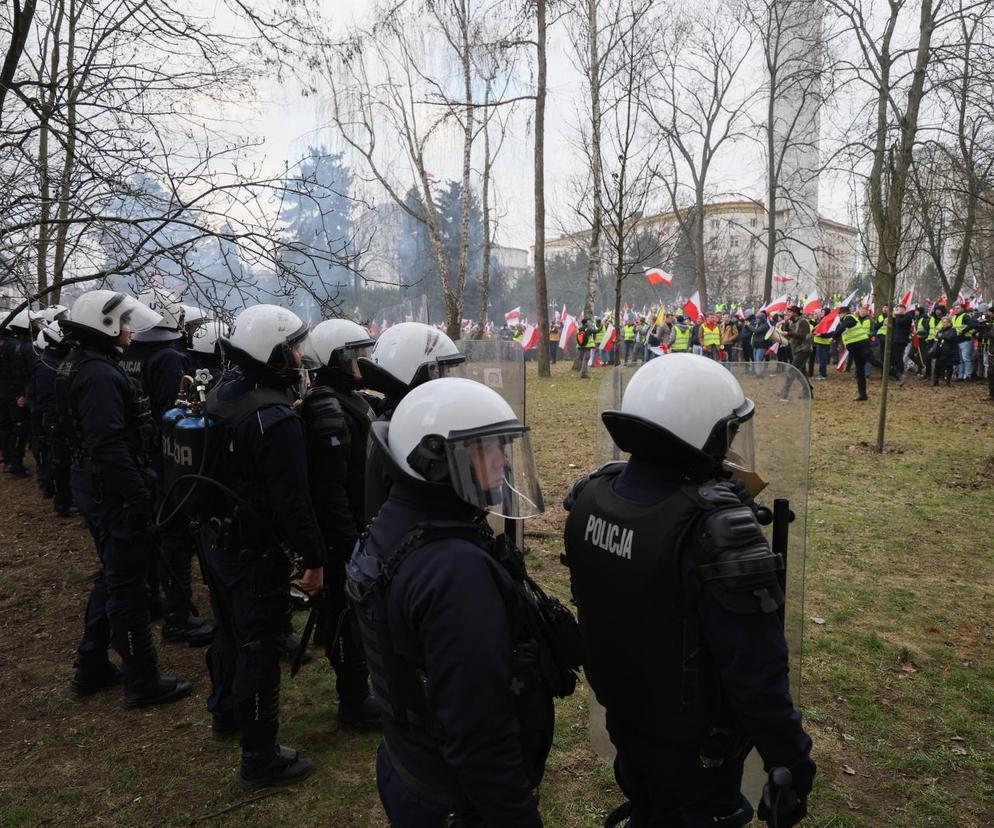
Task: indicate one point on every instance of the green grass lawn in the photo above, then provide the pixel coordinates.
(898, 682)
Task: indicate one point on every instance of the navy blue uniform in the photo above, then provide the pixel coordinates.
(52, 451)
(16, 356)
(448, 617)
(100, 411)
(338, 421)
(659, 768)
(159, 367)
(249, 571)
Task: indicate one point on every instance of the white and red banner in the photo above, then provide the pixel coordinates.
(906, 299)
(610, 335)
(781, 279)
(658, 276)
(778, 305)
(529, 337)
(692, 307)
(567, 332)
(812, 304)
(513, 314)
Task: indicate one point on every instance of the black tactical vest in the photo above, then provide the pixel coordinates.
(399, 685)
(644, 656)
(141, 428)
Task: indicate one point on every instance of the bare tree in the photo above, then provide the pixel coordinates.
(895, 75)
(17, 25)
(699, 108)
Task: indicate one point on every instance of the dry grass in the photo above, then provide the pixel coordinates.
(898, 683)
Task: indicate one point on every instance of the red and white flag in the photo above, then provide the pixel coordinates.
(569, 329)
(529, 337)
(841, 367)
(610, 335)
(692, 307)
(778, 305)
(658, 276)
(782, 279)
(562, 315)
(513, 314)
(813, 304)
(906, 299)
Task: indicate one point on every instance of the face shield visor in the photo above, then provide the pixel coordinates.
(130, 311)
(740, 459)
(493, 468)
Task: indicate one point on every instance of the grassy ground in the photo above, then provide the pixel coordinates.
(898, 680)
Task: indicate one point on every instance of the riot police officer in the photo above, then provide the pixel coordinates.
(54, 460)
(107, 425)
(338, 419)
(157, 359)
(404, 357)
(269, 521)
(466, 730)
(205, 351)
(678, 596)
(16, 358)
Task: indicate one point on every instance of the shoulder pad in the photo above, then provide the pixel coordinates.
(737, 566)
(324, 416)
(613, 468)
(718, 495)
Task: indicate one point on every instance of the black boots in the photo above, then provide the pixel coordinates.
(180, 623)
(364, 716)
(93, 676)
(143, 685)
(264, 762)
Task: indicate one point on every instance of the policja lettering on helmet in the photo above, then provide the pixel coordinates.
(108, 427)
(700, 590)
(467, 712)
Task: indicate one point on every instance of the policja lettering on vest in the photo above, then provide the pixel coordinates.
(609, 536)
(701, 590)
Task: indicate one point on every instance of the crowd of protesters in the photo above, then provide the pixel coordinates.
(939, 342)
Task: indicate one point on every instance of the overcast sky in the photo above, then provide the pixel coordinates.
(290, 123)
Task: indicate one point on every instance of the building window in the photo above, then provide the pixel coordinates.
(753, 222)
(734, 242)
(714, 224)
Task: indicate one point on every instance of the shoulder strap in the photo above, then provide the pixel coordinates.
(236, 410)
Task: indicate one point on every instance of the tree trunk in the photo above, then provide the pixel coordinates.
(771, 194)
(541, 292)
(700, 266)
(594, 79)
(68, 167)
(21, 25)
(467, 153)
(487, 242)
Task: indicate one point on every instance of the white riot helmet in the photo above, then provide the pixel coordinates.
(407, 355)
(98, 315)
(193, 316)
(263, 338)
(682, 409)
(168, 306)
(462, 434)
(49, 336)
(337, 343)
(205, 338)
(22, 323)
(53, 313)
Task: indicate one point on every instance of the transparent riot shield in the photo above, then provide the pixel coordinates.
(499, 365)
(780, 453)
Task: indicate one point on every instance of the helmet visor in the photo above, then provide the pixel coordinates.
(132, 312)
(493, 468)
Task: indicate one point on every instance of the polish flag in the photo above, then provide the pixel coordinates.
(692, 307)
(778, 305)
(829, 322)
(562, 315)
(374, 330)
(568, 331)
(813, 304)
(658, 276)
(513, 314)
(782, 279)
(610, 334)
(906, 299)
(841, 367)
(529, 338)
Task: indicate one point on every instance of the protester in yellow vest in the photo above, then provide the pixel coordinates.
(709, 337)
